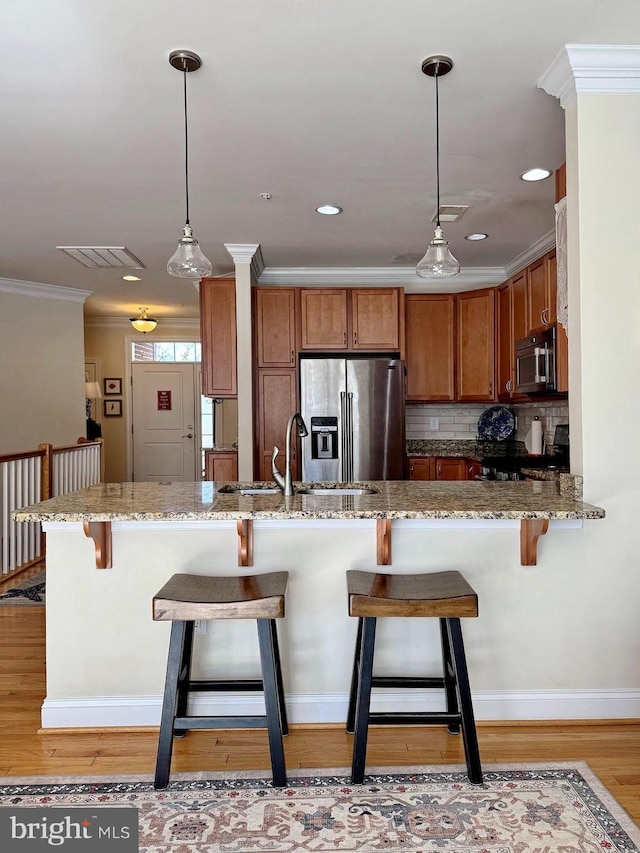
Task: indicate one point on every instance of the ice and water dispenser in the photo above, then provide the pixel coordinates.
(324, 438)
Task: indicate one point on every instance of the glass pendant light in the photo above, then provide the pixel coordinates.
(438, 261)
(143, 323)
(188, 261)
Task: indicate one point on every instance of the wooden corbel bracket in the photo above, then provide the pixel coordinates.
(531, 529)
(100, 532)
(245, 542)
(383, 541)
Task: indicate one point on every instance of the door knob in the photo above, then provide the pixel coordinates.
(188, 435)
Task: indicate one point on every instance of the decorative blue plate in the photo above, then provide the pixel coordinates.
(496, 423)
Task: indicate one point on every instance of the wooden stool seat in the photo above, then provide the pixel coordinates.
(444, 595)
(183, 600)
(190, 597)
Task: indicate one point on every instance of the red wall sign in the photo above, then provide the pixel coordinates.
(164, 401)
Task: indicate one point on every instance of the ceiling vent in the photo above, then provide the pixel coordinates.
(450, 212)
(111, 257)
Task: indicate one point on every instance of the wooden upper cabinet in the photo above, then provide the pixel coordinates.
(475, 363)
(430, 347)
(505, 351)
(323, 319)
(276, 327)
(542, 293)
(375, 314)
(218, 336)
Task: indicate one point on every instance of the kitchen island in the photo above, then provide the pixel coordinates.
(106, 657)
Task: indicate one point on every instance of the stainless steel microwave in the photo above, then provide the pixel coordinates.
(536, 363)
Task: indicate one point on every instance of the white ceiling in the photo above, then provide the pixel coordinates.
(313, 101)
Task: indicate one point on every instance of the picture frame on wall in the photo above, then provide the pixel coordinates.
(112, 387)
(113, 408)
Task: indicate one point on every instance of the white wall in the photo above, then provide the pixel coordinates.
(42, 373)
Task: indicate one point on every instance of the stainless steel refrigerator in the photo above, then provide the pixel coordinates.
(354, 412)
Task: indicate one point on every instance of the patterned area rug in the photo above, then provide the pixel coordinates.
(535, 808)
(29, 592)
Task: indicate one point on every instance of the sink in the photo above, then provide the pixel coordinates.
(239, 489)
(367, 490)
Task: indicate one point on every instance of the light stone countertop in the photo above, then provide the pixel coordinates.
(394, 499)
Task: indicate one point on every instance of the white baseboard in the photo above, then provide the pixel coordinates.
(129, 711)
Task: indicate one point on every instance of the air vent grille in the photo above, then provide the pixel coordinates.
(112, 257)
(450, 212)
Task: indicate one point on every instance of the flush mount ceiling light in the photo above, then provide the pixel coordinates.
(438, 261)
(535, 175)
(131, 278)
(143, 323)
(480, 235)
(188, 261)
(329, 209)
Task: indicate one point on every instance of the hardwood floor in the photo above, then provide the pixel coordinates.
(612, 750)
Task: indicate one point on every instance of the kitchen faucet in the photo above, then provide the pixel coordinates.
(285, 483)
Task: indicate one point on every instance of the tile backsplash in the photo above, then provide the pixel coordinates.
(460, 420)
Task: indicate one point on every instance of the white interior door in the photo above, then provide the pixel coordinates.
(164, 422)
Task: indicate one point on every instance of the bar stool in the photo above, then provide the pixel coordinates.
(445, 595)
(183, 600)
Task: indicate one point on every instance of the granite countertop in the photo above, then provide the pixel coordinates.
(393, 499)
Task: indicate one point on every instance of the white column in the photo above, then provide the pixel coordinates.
(247, 258)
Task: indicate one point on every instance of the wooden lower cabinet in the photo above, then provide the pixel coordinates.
(442, 468)
(277, 398)
(221, 465)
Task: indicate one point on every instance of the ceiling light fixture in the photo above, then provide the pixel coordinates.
(131, 278)
(535, 175)
(329, 209)
(479, 235)
(438, 261)
(143, 323)
(188, 261)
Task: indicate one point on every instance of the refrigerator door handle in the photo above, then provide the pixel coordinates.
(350, 436)
(343, 436)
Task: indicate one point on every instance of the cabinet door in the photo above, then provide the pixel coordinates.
(519, 305)
(475, 367)
(538, 295)
(276, 401)
(221, 465)
(473, 468)
(275, 327)
(430, 331)
(552, 288)
(421, 469)
(323, 319)
(218, 336)
(451, 469)
(375, 315)
(505, 350)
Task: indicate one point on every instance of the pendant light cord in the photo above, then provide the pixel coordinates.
(437, 151)
(186, 146)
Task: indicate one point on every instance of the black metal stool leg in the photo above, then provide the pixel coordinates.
(353, 692)
(169, 704)
(449, 677)
(469, 735)
(184, 675)
(363, 701)
(269, 680)
(273, 631)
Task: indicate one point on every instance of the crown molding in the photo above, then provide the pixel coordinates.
(247, 253)
(43, 291)
(407, 277)
(592, 69)
(535, 251)
(95, 322)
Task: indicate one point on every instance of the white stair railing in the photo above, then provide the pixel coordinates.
(33, 476)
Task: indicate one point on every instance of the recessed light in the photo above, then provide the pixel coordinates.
(535, 175)
(329, 209)
(479, 236)
(131, 278)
